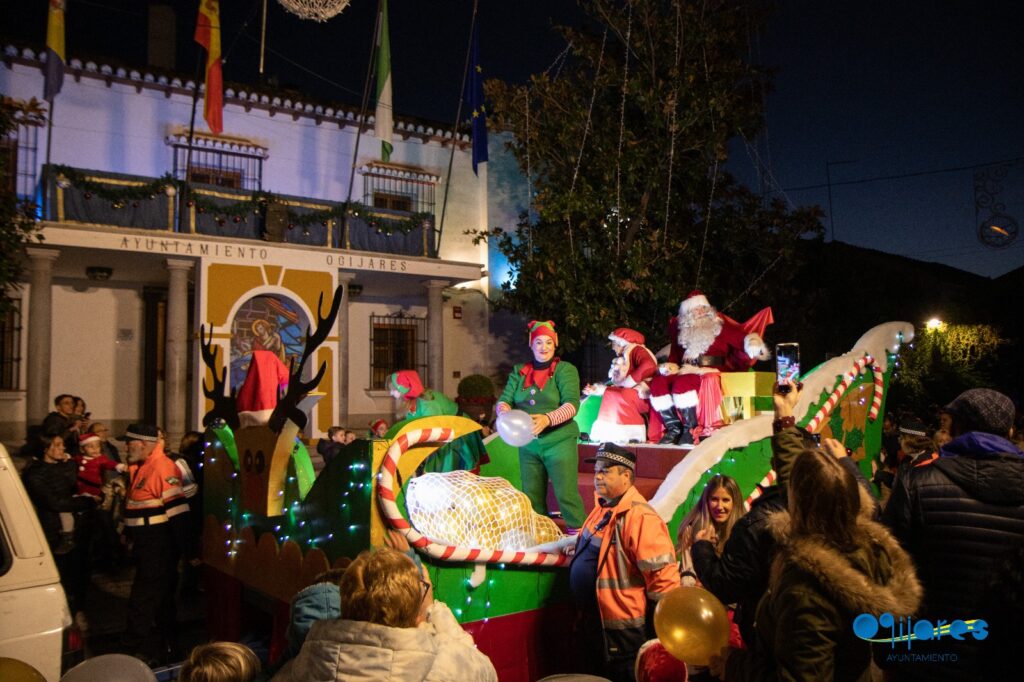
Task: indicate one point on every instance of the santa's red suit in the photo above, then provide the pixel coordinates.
(690, 401)
(624, 401)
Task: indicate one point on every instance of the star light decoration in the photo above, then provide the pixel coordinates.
(315, 10)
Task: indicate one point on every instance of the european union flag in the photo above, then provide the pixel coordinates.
(476, 103)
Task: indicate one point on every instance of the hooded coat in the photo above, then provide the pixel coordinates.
(805, 620)
(438, 650)
(959, 515)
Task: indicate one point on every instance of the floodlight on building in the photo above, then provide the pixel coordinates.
(935, 323)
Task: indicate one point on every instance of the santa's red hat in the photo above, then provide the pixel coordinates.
(407, 382)
(695, 300)
(87, 438)
(626, 336)
(543, 328)
(266, 379)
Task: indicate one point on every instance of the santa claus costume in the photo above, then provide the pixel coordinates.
(624, 401)
(687, 392)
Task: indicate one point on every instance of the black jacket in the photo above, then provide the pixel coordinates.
(52, 488)
(958, 515)
(740, 575)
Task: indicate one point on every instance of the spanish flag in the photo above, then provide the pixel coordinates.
(55, 58)
(208, 36)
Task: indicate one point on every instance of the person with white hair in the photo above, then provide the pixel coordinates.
(688, 391)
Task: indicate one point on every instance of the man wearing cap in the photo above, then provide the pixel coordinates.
(704, 343)
(913, 443)
(156, 517)
(624, 400)
(623, 563)
(958, 515)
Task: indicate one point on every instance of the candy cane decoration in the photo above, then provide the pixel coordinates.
(876, 398)
(766, 482)
(833, 398)
(386, 495)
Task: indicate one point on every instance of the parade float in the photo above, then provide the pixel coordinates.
(272, 524)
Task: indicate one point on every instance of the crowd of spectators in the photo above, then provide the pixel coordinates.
(943, 542)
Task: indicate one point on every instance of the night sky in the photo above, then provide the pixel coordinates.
(892, 96)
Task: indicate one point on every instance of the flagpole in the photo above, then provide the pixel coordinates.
(263, 39)
(191, 133)
(370, 73)
(49, 172)
(455, 128)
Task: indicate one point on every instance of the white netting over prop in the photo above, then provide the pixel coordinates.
(467, 510)
(317, 10)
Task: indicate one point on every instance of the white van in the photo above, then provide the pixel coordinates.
(35, 623)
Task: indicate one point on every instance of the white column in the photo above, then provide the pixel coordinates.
(435, 333)
(176, 351)
(344, 279)
(40, 322)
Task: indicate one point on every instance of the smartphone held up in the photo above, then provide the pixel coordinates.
(787, 365)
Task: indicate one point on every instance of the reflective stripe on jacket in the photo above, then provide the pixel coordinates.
(636, 565)
(155, 495)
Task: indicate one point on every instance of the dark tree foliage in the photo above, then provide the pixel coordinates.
(625, 145)
(17, 224)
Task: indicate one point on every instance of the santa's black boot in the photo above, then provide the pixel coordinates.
(672, 426)
(689, 424)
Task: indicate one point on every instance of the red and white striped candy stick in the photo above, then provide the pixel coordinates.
(766, 482)
(833, 398)
(386, 495)
(876, 398)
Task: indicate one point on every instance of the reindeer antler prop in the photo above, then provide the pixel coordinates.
(287, 404)
(224, 406)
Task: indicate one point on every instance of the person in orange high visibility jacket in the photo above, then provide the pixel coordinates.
(623, 563)
(157, 520)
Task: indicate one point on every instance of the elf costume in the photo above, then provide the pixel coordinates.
(552, 389)
(419, 401)
(466, 452)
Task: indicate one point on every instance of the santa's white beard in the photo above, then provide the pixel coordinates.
(697, 331)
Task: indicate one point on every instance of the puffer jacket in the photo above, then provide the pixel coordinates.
(958, 515)
(53, 489)
(805, 620)
(438, 650)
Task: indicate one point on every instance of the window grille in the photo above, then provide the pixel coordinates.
(19, 151)
(398, 188)
(10, 347)
(226, 162)
(397, 341)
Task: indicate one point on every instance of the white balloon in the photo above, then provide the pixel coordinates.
(515, 427)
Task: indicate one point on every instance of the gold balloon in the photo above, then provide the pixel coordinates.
(692, 625)
(13, 670)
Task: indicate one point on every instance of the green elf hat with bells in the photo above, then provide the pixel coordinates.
(542, 328)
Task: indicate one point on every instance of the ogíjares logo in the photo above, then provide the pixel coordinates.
(867, 627)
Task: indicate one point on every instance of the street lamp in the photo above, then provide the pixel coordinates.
(935, 323)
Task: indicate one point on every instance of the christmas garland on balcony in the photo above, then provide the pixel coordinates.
(239, 211)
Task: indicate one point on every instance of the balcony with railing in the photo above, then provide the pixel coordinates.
(214, 203)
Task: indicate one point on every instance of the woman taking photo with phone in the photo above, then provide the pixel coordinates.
(712, 518)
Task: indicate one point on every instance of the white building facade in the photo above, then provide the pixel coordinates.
(115, 295)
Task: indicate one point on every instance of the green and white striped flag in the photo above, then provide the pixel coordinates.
(384, 121)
